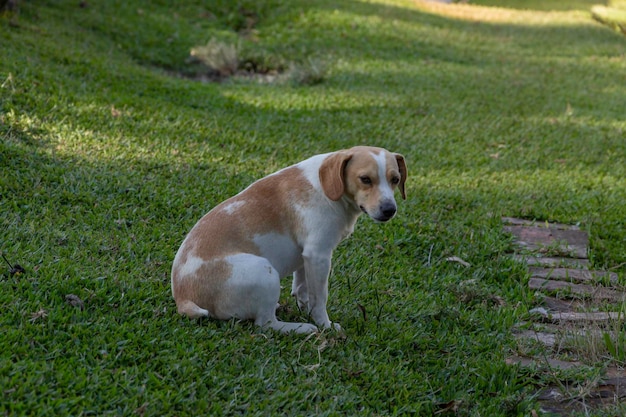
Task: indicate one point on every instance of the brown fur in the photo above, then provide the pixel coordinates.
(265, 209)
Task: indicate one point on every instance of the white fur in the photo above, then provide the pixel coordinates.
(386, 192)
(232, 207)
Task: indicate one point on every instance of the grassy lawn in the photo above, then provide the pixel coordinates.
(110, 151)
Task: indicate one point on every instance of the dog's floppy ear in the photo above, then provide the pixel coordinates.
(403, 173)
(332, 175)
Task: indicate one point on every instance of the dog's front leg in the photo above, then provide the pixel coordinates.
(317, 269)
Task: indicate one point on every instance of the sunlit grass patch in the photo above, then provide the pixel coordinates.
(545, 13)
(613, 17)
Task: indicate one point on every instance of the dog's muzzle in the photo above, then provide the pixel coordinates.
(385, 211)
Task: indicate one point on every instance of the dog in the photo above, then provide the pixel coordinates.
(231, 262)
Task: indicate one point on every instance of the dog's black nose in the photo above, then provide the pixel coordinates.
(388, 210)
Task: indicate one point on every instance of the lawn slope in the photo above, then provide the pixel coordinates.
(110, 150)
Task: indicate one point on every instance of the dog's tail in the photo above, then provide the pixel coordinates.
(191, 309)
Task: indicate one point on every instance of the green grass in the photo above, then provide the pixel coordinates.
(109, 155)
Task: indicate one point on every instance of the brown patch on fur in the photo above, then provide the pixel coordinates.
(332, 173)
(403, 173)
(266, 206)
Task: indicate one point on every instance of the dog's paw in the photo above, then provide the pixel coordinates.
(306, 328)
(287, 327)
(332, 326)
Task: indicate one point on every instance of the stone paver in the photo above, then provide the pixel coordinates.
(571, 296)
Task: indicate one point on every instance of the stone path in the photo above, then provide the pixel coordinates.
(579, 318)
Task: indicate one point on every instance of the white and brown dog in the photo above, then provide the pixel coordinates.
(231, 262)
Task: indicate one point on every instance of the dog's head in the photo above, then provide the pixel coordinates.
(367, 176)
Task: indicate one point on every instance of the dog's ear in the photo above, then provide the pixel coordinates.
(332, 174)
(403, 173)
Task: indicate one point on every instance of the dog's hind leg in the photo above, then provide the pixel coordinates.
(254, 289)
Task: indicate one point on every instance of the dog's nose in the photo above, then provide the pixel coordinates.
(388, 210)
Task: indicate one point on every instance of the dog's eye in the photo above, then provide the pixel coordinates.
(395, 180)
(365, 179)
